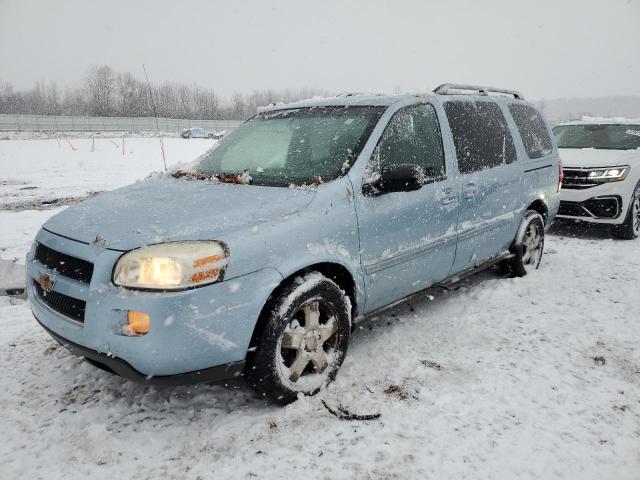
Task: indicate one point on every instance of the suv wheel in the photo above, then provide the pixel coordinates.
(528, 245)
(630, 229)
(304, 341)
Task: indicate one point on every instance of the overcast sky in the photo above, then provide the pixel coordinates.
(546, 49)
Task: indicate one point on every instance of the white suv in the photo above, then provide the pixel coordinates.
(601, 182)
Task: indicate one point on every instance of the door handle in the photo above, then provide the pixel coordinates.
(448, 196)
(470, 190)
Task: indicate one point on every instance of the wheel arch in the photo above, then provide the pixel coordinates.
(540, 206)
(337, 272)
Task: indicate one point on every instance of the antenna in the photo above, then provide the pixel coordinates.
(153, 104)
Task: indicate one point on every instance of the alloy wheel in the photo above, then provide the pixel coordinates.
(307, 345)
(532, 245)
(635, 212)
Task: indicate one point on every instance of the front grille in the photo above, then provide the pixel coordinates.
(596, 207)
(65, 265)
(577, 179)
(572, 209)
(604, 207)
(62, 304)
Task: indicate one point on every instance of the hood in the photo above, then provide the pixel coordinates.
(167, 209)
(596, 157)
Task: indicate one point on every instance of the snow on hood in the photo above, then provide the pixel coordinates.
(165, 209)
(598, 157)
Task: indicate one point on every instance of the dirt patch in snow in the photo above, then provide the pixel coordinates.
(44, 203)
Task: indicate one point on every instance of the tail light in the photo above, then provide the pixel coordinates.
(560, 175)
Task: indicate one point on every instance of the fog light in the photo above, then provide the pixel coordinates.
(138, 322)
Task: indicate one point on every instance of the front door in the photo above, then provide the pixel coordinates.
(407, 239)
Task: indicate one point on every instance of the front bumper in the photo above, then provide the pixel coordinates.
(606, 203)
(191, 331)
(120, 367)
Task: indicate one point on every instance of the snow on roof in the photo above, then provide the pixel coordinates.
(373, 99)
(340, 100)
(609, 120)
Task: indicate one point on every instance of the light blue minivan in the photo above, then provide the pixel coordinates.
(300, 222)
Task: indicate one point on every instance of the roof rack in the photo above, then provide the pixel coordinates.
(445, 89)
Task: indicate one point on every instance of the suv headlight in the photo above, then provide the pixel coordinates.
(172, 266)
(611, 174)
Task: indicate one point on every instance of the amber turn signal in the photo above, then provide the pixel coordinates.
(139, 322)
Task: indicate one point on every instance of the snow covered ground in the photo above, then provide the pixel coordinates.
(46, 169)
(537, 377)
(39, 177)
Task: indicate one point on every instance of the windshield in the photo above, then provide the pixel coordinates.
(606, 136)
(298, 146)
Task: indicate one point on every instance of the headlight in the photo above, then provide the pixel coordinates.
(613, 174)
(172, 266)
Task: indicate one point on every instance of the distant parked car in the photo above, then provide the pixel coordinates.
(197, 132)
(601, 173)
(302, 221)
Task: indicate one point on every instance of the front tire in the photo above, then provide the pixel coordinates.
(304, 341)
(630, 229)
(528, 245)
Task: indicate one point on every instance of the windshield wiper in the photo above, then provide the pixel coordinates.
(236, 178)
(191, 175)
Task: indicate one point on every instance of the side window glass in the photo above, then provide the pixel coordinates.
(412, 137)
(532, 129)
(480, 134)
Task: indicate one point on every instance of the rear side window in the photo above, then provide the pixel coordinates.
(413, 137)
(533, 130)
(480, 134)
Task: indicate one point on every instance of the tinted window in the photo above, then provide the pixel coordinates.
(412, 137)
(533, 130)
(480, 134)
(598, 135)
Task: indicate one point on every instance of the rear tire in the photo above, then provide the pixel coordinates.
(630, 229)
(304, 341)
(527, 247)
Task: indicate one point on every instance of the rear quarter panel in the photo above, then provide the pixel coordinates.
(540, 176)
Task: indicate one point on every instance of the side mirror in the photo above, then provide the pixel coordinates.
(398, 178)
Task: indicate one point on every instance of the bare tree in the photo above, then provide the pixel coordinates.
(52, 100)
(107, 93)
(100, 88)
(238, 106)
(7, 98)
(74, 102)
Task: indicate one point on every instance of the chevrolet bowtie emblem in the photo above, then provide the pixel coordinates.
(46, 282)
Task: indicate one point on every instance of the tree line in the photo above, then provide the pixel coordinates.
(107, 93)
